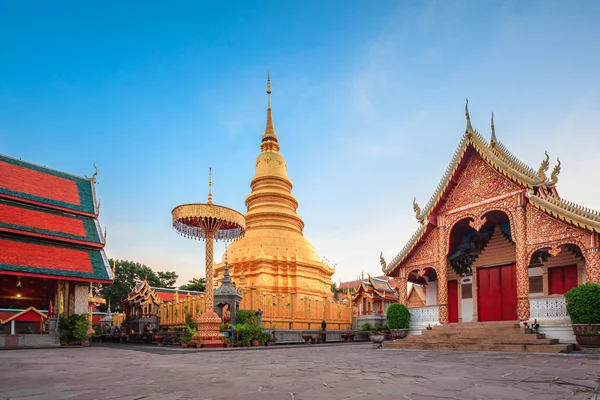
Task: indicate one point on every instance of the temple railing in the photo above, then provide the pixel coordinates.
(548, 307)
(424, 315)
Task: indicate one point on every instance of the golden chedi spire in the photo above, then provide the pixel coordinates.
(274, 228)
(269, 139)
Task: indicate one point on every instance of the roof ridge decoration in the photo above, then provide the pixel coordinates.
(555, 172)
(93, 178)
(567, 211)
(541, 173)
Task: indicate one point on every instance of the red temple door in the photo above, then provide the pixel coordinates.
(452, 301)
(497, 293)
(562, 279)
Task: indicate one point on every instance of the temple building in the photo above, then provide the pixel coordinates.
(51, 247)
(274, 264)
(496, 242)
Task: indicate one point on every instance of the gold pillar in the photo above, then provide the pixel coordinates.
(592, 260)
(402, 289)
(522, 262)
(293, 308)
(442, 276)
(209, 293)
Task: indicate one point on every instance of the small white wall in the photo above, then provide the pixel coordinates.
(466, 309)
(431, 294)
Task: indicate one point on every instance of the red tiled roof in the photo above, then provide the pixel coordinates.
(23, 181)
(168, 294)
(52, 260)
(17, 218)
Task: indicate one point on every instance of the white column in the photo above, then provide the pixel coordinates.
(12, 327)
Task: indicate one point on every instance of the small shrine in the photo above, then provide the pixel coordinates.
(227, 299)
(141, 309)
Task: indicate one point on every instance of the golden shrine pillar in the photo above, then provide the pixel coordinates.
(442, 275)
(592, 260)
(522, 267)
(402, 290)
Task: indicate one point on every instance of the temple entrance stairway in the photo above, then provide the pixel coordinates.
(481, 336)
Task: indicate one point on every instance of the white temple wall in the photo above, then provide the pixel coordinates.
(431, 294)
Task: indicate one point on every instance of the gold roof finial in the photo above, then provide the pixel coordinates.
(269, 139)
(469, 127)
(555, 172)
(269, 88)
(493, 139)
(417, 210)
(210, 186)
(543, 168)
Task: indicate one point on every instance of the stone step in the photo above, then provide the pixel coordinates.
(532, 340)
(500, 329)
(521, 348)
(480, 325)
(481, 334)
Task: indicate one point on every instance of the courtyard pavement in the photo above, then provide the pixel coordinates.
(353, 371)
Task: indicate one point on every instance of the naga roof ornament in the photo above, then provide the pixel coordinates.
(555, 172)
(417, 211)
(541, 173)
(493, 139)
(469, 126)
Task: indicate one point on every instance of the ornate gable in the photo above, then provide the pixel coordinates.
(477, 182)
(424, 253)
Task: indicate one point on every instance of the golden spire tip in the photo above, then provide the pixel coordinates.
(469, 127)
(493, 140)
(210, 200)
(269, 88)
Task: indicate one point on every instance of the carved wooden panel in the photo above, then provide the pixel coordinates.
(544, 229)
(424, 253)
(477, 182)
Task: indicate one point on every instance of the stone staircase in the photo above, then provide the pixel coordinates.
(481, 336)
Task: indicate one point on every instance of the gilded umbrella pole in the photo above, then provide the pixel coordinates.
(209, 292)
(208, 222)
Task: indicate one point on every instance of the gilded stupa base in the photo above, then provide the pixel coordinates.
(209, 335)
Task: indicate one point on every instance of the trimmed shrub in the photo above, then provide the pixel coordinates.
(398, 316)
(583, 303)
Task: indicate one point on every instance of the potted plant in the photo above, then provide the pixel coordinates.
(583, 305)
(398, 320)
(226, 341)
(376, 338)
(348, 336)
(185, 340)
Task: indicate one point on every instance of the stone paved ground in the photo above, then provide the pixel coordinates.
(353, 371)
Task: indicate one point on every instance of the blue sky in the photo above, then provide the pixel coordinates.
(368, 102)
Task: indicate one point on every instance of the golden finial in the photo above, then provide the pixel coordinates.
(382, 261)
(114, 266)
(269, 138)
(493, 140)
(210, 201)
(269, 88)
(417, 210)
(469, 127)
(555, 172)
(93, 178)
(543, 168)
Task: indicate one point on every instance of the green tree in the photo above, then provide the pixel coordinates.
(127, 275)
(196, 284)
(167, 279)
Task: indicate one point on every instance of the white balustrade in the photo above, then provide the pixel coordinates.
(548, 307)
(424, 315)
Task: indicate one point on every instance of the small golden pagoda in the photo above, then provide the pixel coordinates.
(274, 261)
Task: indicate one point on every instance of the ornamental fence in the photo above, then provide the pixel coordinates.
(280, 311)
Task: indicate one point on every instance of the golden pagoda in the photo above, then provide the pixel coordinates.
(274, 262)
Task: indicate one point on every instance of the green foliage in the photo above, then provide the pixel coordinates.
(196, 284)
(366, 327)
(74, 328)
(583, 303)
(398, 316)
(264, 337)
(185, 339)
(241, 316)
(127, 274)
